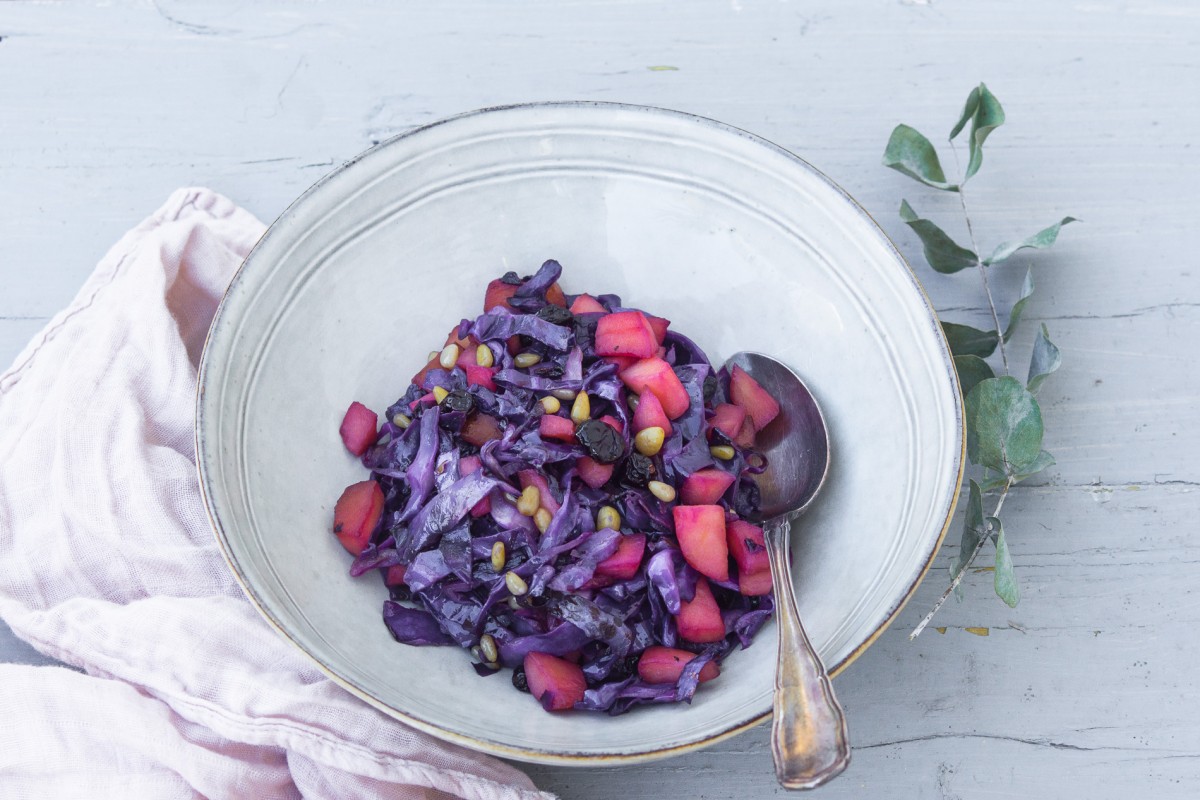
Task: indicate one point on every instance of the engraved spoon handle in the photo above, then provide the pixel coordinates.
(808, 732)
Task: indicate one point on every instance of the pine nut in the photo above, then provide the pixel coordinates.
(723, 452)
(581, 409)
(608, 517)
(529, 501)
(515, 583)
(525, 360)
(663, 491)
(649, 440)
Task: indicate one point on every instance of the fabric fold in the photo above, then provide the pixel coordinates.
(107, 563)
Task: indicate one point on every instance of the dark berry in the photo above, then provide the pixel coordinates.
(585, 332)
(638, 469)
(460, 401)
(551, 371)
(710, 388)
(511, 278)
(601, 441)
(556, 315)
(627, 665)
(519, 680)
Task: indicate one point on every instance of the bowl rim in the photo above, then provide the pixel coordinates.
(544, 756)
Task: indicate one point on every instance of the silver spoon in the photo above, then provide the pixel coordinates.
(808, 731)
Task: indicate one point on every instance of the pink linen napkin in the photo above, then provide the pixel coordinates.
(107, 563)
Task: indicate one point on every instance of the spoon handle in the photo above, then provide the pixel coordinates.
(808, 731)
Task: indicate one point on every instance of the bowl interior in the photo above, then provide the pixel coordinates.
(741, 245)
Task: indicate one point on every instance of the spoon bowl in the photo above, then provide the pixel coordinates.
(796, 443)
(809, 741)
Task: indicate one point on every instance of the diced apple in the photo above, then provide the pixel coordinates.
(356, 514)
(498, 293)
(705, 486)
(481, 428)
(747, 546)
(659, 326)
(701, 534)
(586, 304)
(625, 333)
(593, 473)
(745, 437)
(657, 376)
(464, 343)
(624, 563)
(650, 414)
(394, 575)
(557, 683)
(480, 376)
(699, 620)
(753, 584)
(660, 664)
(551, 426)
(426, 399)
(466, 356)
(746, 392)
(613, 423)
(728, 419)
(555, 296)
(358, 428)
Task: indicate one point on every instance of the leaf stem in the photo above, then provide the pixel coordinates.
(958, 578)
(987, 289)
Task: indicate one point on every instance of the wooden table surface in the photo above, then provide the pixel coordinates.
(1088, 688)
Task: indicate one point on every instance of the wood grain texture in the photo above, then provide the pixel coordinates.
(1087, 687)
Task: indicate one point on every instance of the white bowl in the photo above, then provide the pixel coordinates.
(740, 243)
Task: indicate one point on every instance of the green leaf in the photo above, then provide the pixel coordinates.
(1046, 359)
(1039, 241)
(909, 152)
(971, 370)
(968, 112)
(1014, 316)
(942, 252)
(1006, 582)
(1041, 461)
(967, 341)
(974, 529)
(1004, 425)
(997, 480)
(985, 113)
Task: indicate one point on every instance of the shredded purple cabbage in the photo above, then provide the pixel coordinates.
(450, 507)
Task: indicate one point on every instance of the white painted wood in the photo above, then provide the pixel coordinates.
(1087, 687)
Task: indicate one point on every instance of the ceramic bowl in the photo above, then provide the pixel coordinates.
(741, 244)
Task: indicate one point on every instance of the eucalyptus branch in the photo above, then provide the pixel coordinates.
(987, 289)
(1003, 418)
(958, 578)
